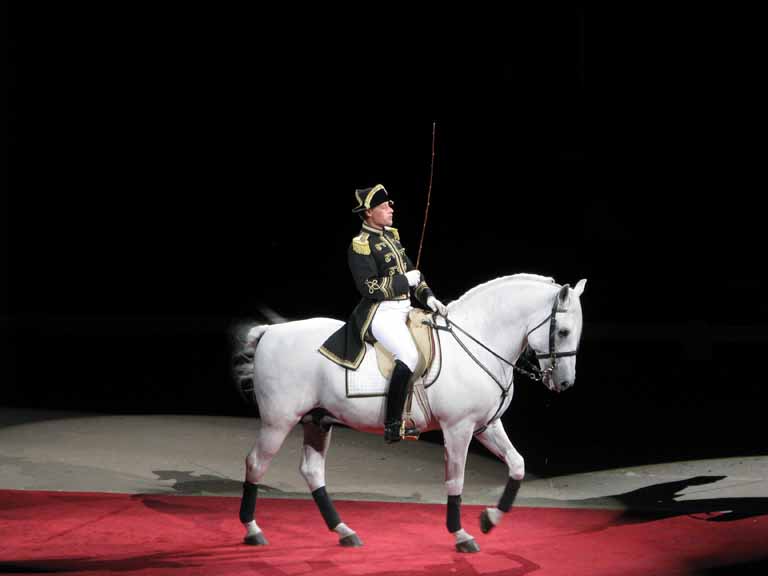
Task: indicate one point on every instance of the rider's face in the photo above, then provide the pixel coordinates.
(381, 215)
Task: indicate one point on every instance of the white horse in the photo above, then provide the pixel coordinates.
(293, 383)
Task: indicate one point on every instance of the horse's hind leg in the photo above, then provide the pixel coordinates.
(317, 439)
(496, 440)
(270, 438)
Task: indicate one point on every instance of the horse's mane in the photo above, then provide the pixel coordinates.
(514, 277)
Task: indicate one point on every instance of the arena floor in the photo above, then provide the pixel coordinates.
(205, 455)
(81, 468)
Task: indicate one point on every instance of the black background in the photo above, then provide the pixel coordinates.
(171, 174)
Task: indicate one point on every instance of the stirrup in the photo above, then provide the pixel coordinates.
(408, 430)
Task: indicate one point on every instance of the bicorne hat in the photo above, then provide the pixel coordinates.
(368, 198)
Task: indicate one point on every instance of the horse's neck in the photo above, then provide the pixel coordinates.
(499, 315)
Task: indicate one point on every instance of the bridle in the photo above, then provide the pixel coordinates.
(553, 354)
(533, 372)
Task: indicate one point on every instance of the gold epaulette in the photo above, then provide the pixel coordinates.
(360, 244)
(395, 233)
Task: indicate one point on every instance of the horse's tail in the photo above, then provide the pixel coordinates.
(243, 361)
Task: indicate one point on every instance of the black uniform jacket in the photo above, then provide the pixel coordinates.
(378, 264)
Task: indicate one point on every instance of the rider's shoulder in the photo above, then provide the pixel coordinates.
(393, 232)
(360, 244)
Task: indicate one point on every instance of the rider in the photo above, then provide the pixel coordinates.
(383, 275)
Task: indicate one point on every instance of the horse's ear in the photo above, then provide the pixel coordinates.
(580, 286)
(564, 296)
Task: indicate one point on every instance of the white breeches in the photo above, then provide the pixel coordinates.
(389, 328)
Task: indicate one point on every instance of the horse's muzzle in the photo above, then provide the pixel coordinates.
(548, 381)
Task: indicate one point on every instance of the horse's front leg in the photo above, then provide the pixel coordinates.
(317, 439)
(457, 439)
(496, 440)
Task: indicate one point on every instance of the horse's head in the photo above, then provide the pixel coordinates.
(556, 339)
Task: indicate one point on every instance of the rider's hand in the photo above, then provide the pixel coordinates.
(414, 277)
(436, 306)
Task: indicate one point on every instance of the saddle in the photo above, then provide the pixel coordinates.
(422, 335)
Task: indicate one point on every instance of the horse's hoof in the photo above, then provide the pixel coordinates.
(351, 541)
(467, 546)
(485, 522)
(255, 539)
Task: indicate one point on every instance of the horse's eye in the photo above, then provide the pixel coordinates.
(563, 333)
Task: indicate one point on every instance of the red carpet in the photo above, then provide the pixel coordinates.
(86, 533)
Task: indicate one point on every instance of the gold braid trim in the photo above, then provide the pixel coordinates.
(360, 244)
(395, 233)
(370, 195)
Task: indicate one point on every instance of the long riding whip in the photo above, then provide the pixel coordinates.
(408, 421)
(429, 195)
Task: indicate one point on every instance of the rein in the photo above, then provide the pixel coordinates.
(504, 390)
(533, 372)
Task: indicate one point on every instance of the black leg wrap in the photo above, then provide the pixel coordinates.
(510, 493)
(453, 520)
(248, 503)
(327, 508)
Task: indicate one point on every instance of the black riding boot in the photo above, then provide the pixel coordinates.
(395, 401)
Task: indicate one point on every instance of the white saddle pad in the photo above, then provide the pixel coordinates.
(368, 381)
